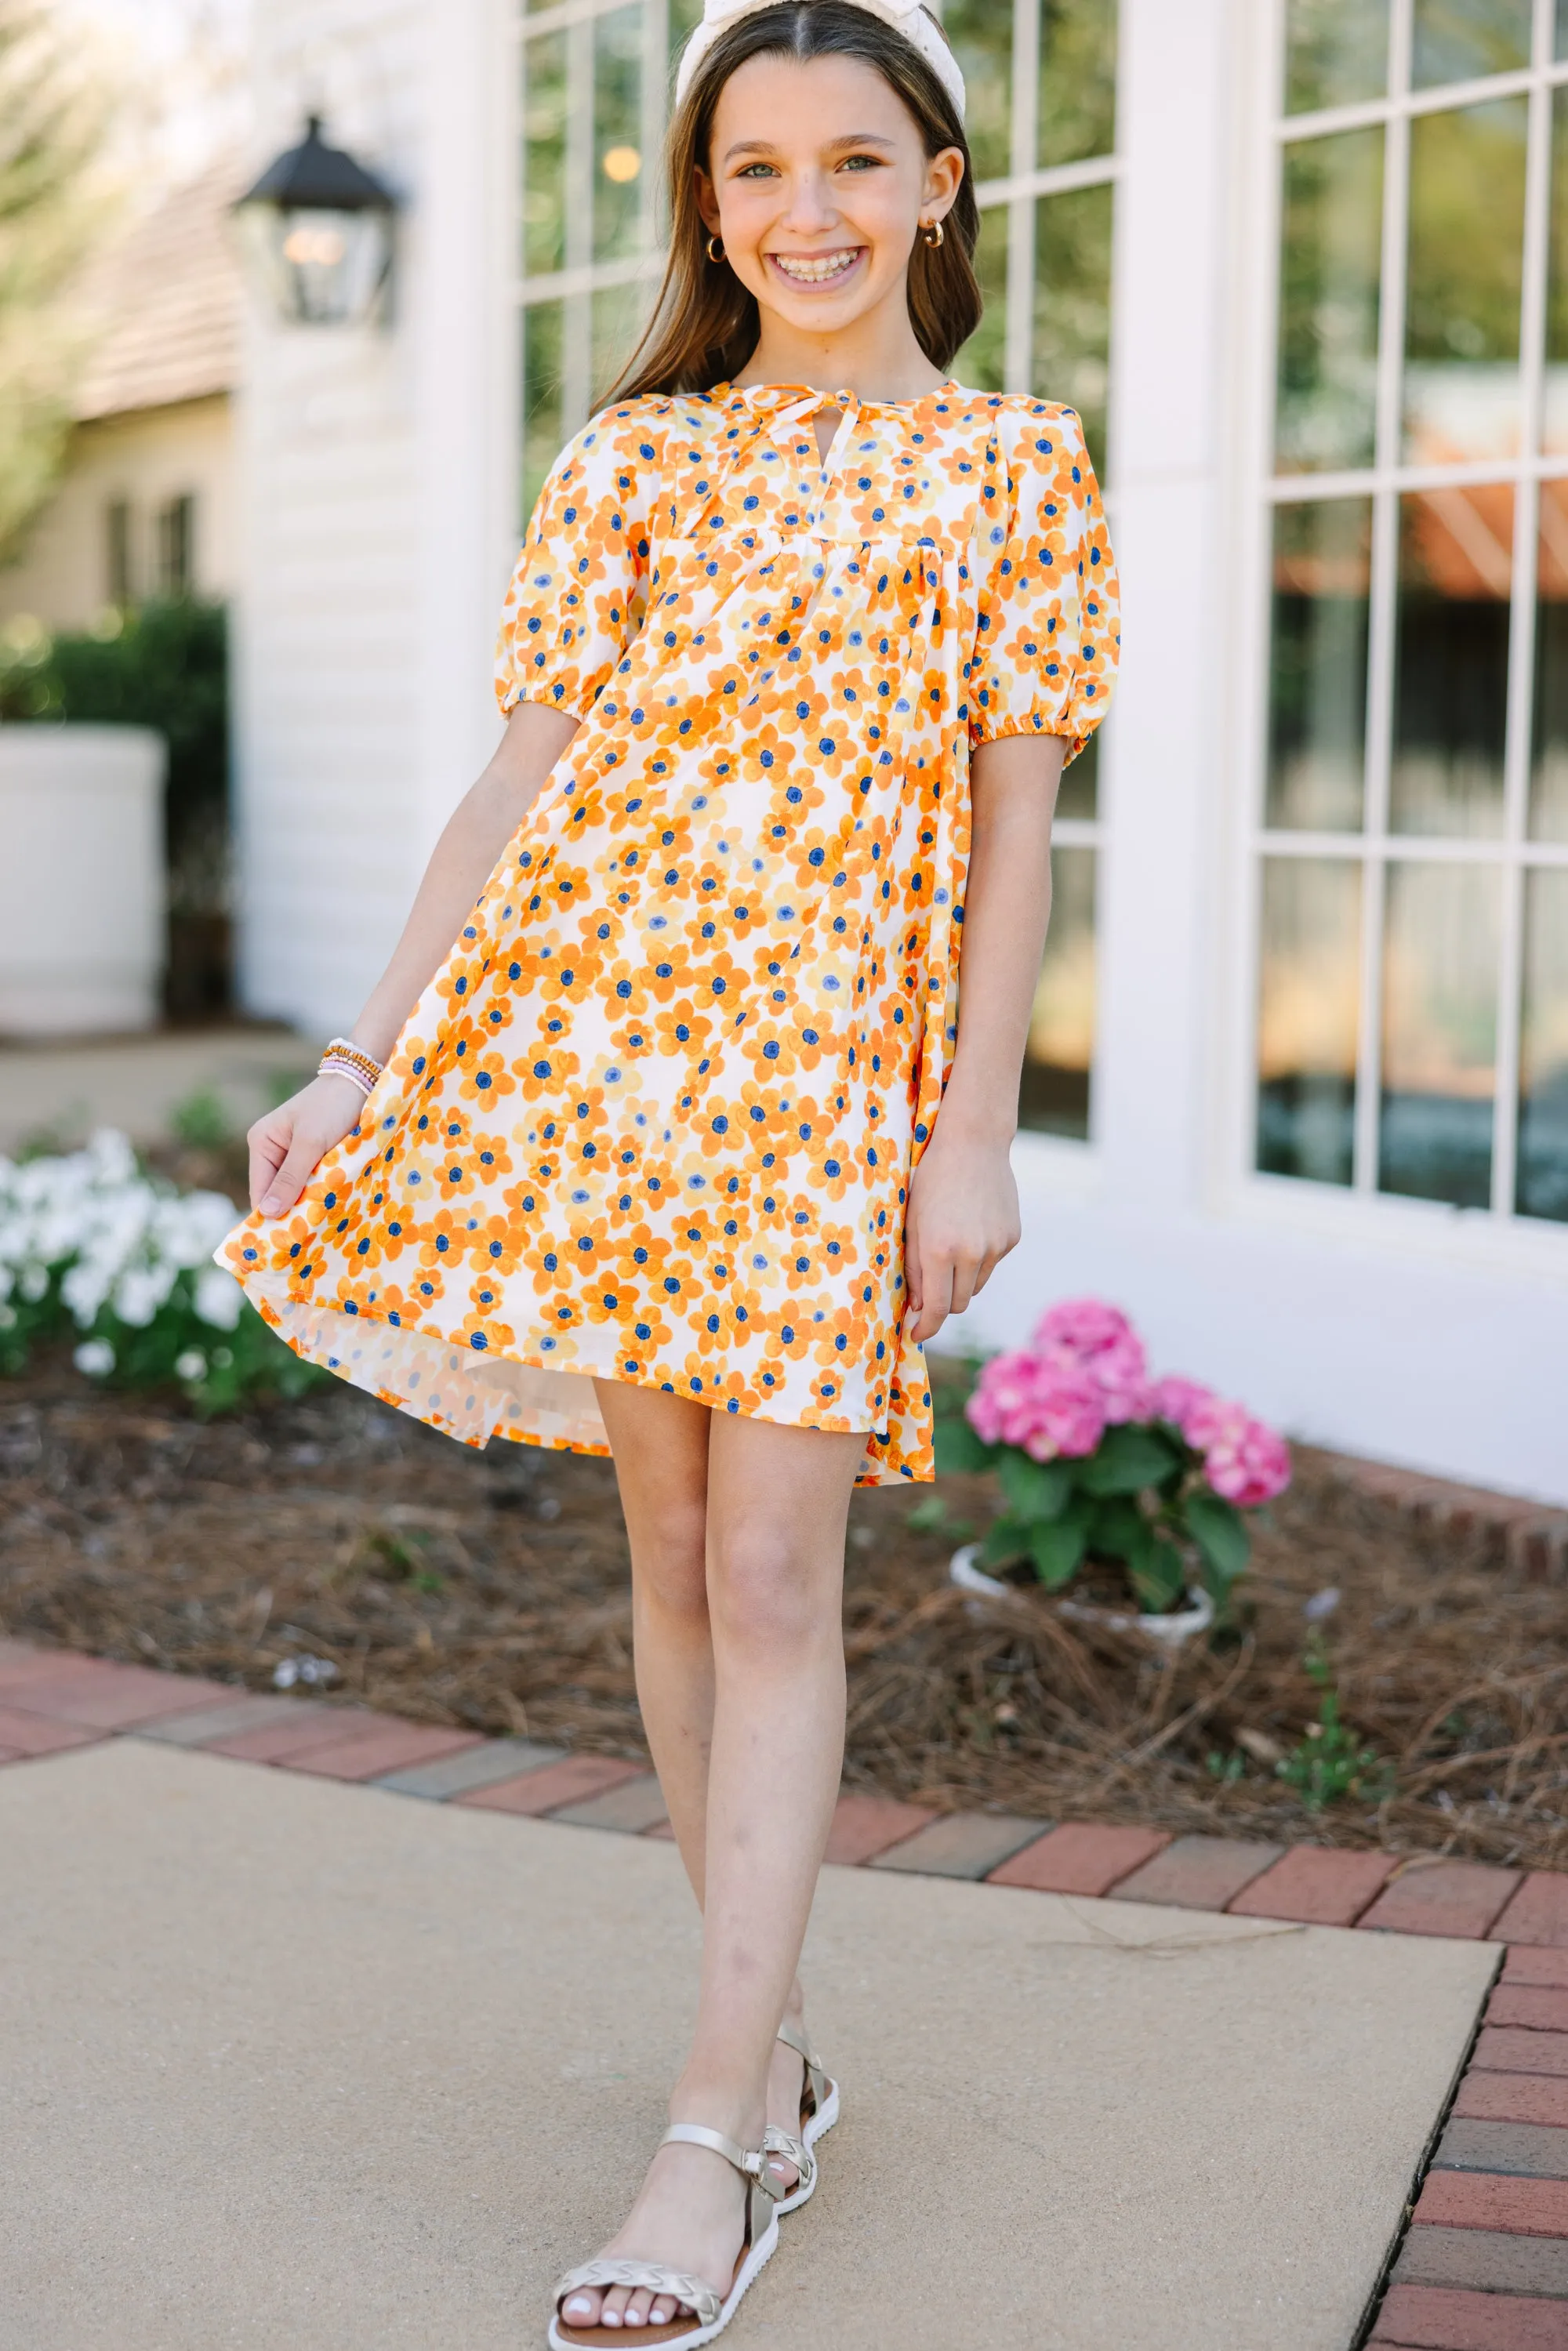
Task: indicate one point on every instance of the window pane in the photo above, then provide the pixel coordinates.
(620, 314)
(1554, 420)
(981, 34)
(982, 361)
(1466, 265)
(1054, 1098)
(1333, 227)
(543, 427)
(1308, 1000)
(1079, 793)
(1439, 1032)
(617, 133)
(544, 155)
(1077, 79)
(684, 17)
(1549, 765)
(1073, 305)
(1458, 40)
(1543, 1058)
(1450, 679)
(1337, 51)
(1317, 668)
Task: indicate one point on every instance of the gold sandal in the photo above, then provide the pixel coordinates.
(819, 2113)
(704, 2314)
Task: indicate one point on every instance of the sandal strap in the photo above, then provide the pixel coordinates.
(794, 2039)
(793, 2150)
(678, 2286)
(699, 2135)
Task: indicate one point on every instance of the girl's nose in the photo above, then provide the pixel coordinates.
(810, 211)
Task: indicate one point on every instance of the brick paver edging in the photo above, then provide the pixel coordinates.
(1483, 2265)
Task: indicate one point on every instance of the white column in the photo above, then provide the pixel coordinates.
(1163, 763)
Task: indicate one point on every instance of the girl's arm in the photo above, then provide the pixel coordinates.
(287, 1145)
(963, 1214)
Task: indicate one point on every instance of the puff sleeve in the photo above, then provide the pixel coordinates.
(1047, 629)
(580, 591)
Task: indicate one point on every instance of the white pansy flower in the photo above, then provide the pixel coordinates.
(95, 1357)
(219, 1298)
(191, 1365)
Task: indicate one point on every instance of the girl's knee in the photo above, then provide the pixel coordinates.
(669, 1561)
(764, 1596)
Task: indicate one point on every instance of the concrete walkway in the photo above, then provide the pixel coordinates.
(296, 2063)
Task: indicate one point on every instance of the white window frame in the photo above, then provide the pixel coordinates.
(1496, 1236)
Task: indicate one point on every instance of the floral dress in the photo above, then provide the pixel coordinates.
(654, 1118)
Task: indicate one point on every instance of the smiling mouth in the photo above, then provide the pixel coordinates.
(817, 268)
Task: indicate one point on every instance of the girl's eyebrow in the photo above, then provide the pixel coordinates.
(765, 146)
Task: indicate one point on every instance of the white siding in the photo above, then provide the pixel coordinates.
(375, 485)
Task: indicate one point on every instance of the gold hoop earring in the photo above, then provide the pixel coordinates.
(934, 233)
(715, 248)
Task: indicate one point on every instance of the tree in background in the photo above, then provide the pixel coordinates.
(55, 119)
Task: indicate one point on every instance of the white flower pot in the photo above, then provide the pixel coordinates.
(1170, 1631)
(81, 879)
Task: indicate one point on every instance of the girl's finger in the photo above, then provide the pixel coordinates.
(269, 1140)
(291, 1178)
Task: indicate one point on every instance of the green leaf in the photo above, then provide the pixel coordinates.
(1160, 1581)
(959, 1449)
(1057, 1548)
(1220, 1532)
(1120, 1530)
(1008, 1540)
(1035, 1489)
(1126, 1460)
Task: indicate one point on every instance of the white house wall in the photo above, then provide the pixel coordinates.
(375, 506)
(1410, 1332)
(146, 458)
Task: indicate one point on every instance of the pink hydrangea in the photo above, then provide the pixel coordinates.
(1042, 1406)
(1099, 1339)
(1085, 1370)
(1178, 1400)
(1243, 1460)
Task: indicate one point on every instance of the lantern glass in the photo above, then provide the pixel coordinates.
(325, 268)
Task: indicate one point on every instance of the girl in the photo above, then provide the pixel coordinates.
(683, 1151)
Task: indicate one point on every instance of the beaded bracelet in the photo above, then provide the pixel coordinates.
(344, 1058)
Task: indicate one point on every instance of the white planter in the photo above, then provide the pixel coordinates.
(1170, 1631)
(81, 879)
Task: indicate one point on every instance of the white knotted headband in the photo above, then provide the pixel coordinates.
(905, 17)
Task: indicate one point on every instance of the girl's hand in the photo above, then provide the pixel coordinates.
(962, 1218)
(289, 1143)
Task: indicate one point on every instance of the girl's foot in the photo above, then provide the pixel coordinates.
(690, 2214)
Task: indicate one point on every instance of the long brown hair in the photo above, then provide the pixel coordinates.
(705, 324)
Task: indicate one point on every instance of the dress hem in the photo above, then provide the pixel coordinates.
(307, 1328)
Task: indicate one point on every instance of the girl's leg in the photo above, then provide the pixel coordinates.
(661, 1447)
(777, 1502)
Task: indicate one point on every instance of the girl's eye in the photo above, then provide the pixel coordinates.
(754, 170)
(861, 163)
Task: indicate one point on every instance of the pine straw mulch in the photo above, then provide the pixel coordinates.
(490, 1591)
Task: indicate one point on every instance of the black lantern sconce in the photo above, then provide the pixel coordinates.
(320, 228)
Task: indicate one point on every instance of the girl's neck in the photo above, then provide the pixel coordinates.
(883, 363)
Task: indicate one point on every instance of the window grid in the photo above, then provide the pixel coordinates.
(1375, 847)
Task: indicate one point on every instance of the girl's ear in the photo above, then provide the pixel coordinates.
(944, 177)
(707, 201)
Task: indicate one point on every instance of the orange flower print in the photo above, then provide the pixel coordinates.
(655, 1119)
